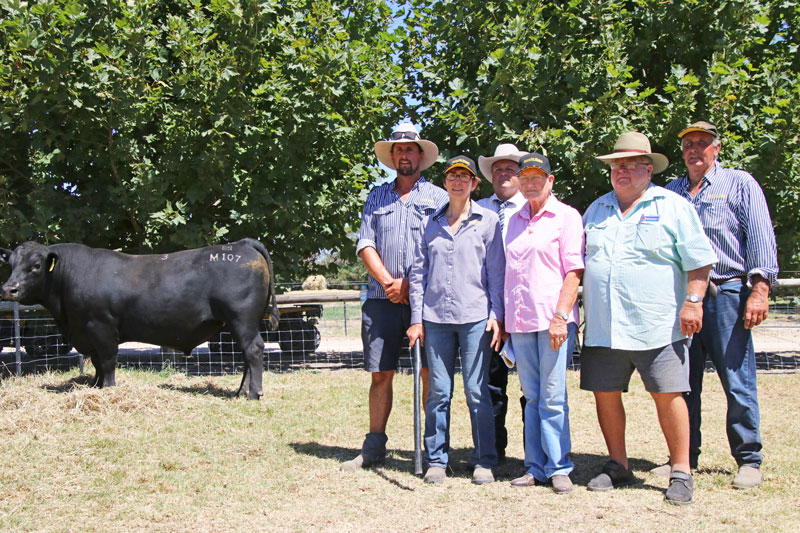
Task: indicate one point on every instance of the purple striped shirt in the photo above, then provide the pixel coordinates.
(735, 216)
(391, 226)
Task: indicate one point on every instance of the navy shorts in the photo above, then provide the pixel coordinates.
(664, 369)
(383, 333)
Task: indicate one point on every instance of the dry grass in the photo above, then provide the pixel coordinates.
(165, 452)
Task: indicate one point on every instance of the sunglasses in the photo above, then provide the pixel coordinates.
(410, 135)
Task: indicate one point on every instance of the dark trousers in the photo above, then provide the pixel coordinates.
(498, 382)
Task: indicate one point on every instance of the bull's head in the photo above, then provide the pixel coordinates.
(31, 264)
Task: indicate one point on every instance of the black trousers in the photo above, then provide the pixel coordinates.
(498, 383)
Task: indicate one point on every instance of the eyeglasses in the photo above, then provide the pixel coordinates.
(410, 135)
(631, 165)
(702, 144)
(463, 177)
(530, 177)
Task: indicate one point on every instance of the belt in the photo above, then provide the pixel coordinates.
(721, 281)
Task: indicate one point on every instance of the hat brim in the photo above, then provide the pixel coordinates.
(430, 152)
(660, 161)
(690, 130)
(485, 163)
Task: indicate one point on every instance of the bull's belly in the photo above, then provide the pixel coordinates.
(182, 337)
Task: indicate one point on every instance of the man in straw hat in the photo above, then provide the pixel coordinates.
(735, 217)
(647, 265)
(393, 215)
(502, 171)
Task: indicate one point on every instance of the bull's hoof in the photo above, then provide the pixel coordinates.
(255, 395)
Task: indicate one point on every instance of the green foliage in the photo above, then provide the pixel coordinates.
(566, 78)
(155, 125)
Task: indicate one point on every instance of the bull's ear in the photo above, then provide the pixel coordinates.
(52, 259)
(5, 255)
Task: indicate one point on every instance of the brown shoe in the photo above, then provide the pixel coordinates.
(362, 461)
(748, 477)
(561, 484)
(662, 470)
(481, 475)
(435, 475)
(525, 481)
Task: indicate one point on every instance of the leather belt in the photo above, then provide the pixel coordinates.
(721, 281)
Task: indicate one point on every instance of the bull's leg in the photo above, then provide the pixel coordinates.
(252, 346)
(98, 371)
(109, 365)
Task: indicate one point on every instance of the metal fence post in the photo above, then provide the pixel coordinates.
(17, 339)
(344, 306)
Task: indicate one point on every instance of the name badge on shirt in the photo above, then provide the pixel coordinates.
(649, 218)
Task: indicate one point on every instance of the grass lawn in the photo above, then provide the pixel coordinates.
(166, 452)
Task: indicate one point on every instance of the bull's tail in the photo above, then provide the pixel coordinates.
(272, 300)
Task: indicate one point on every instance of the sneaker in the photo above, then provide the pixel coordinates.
(561, 484)
(681, 488)
(362, 461)
(435, 475)
(613, 476)
(482, 475)
(748, 477)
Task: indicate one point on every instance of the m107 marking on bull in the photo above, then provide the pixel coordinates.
(232, 258)
(101, 298)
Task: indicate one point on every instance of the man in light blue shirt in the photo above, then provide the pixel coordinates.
(647, 266)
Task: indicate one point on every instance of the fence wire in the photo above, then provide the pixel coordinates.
(317, 337)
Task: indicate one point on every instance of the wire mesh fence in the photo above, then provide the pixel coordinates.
(314, 336)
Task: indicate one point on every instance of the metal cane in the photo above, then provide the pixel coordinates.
(417, 408)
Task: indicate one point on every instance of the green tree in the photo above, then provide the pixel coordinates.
(156, 125)
(566, 78)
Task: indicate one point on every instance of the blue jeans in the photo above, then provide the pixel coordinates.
(442, 342)
(543, 376)
(730, 346)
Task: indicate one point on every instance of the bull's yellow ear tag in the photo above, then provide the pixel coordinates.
(52, 264)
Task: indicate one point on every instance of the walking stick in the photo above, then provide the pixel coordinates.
(417, 414)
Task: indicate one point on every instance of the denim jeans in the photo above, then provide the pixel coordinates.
(730, 346)
(543, 375)
(442, 342)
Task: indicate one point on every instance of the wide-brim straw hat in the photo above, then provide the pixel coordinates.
(503, 151)
(406, 133)
(635, 144)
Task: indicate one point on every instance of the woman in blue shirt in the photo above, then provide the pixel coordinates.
(456, 294)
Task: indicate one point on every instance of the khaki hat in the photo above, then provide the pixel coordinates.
(634, 144)
(702, 126)
(404, 133)
(461, 161)
(503, 151)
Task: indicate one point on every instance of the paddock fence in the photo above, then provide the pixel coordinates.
(319, 330)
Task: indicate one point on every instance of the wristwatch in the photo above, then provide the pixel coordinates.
(693, 298)
(565, 316)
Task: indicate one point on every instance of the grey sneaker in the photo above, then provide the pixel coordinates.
(748, 477)
(561, 484)
(482, 475)
(362, 461)
(681, 488)
(435, 474)
(613, 476)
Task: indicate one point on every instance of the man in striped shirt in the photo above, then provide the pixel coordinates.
(390, 224)
(735, 217)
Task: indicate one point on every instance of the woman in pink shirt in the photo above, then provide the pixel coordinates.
(544, 264)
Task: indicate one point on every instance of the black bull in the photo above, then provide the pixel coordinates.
(101, 298)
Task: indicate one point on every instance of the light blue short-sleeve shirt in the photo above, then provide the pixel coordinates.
(635, 279)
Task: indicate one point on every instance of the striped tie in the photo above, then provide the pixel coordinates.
(501, 213)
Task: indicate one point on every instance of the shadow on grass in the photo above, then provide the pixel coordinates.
(84, 380)
(204, 389)
(587, 465)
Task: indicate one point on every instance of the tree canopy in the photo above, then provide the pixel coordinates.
(155, 125)
(566, 78)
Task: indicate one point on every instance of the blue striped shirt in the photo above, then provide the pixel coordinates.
(735, 217)
(391, 226)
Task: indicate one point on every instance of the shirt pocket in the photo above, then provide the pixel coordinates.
(384, 219)
(594, 237)
(712, 214)
(650, 238)
(419, 214)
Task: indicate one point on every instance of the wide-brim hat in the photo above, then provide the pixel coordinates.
(701, 126)
(406, 133)
(461, 161)
(503, 151)
(635, 144)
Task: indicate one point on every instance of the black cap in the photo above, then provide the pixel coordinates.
(461, 161)
(534, 160)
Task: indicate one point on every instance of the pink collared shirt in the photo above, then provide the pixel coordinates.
(540, 250)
